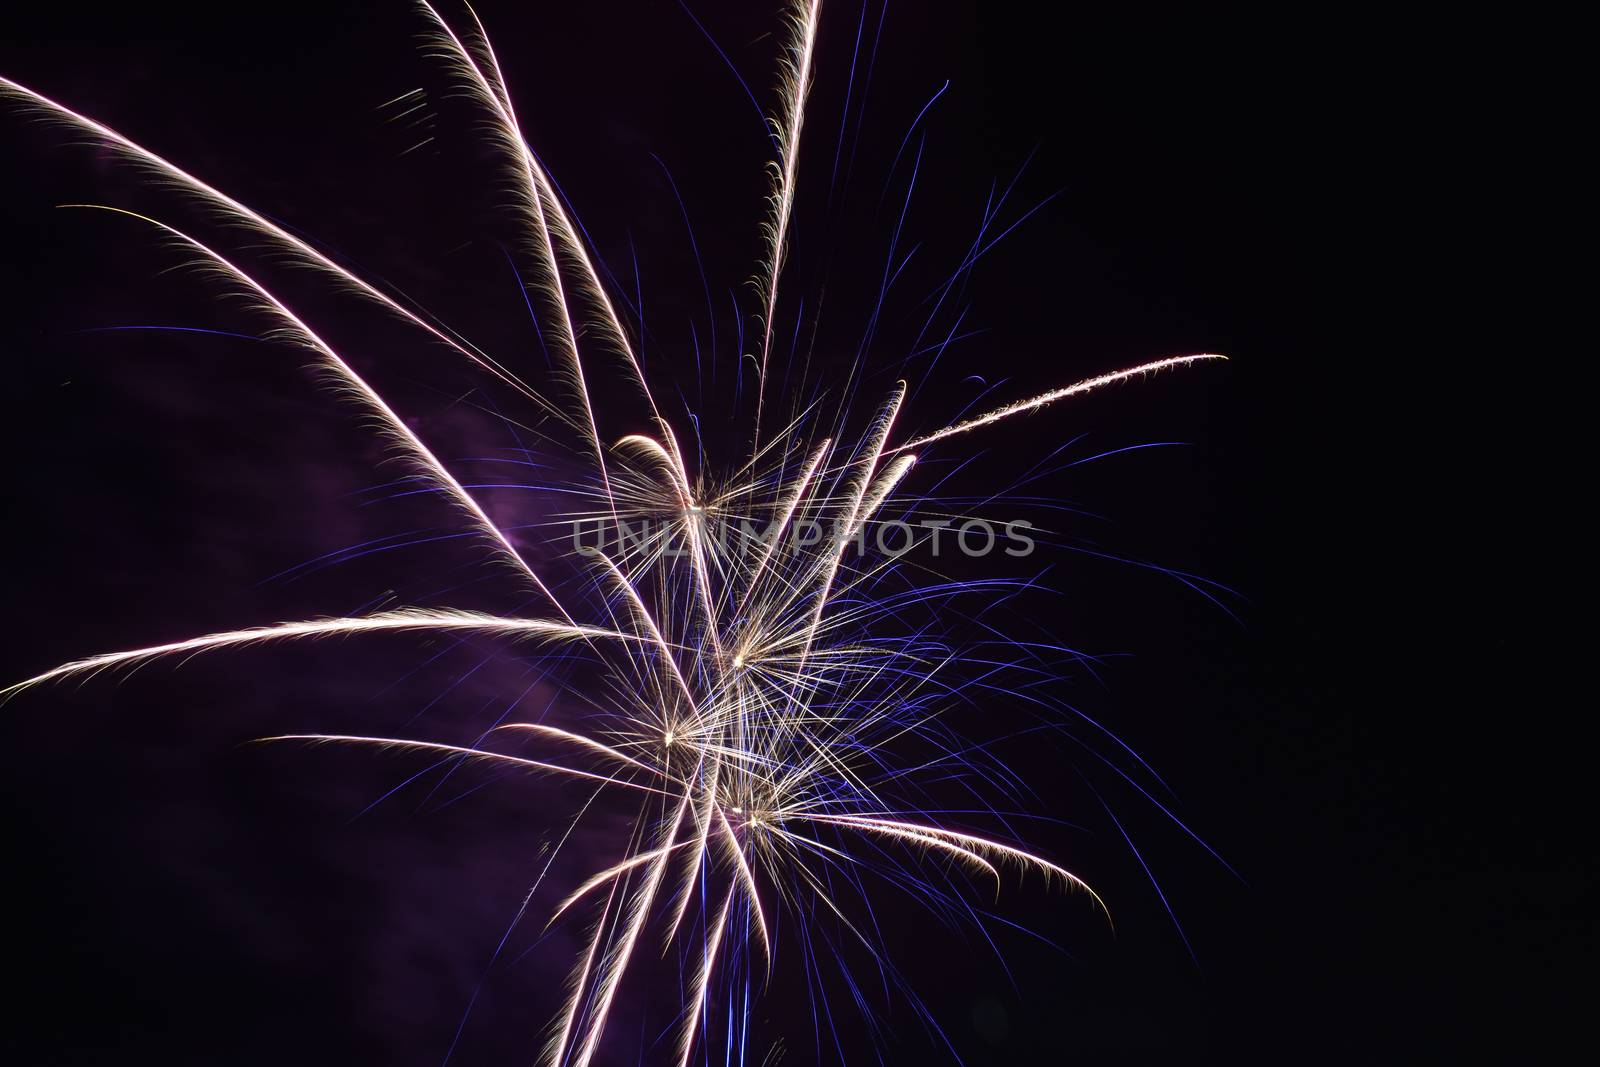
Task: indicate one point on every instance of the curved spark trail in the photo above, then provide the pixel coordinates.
(756, 701)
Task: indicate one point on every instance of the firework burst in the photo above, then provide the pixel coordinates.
(754, 697)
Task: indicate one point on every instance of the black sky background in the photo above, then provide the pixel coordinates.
(1225, 183)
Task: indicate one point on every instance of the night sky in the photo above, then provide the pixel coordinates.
(1204, 182)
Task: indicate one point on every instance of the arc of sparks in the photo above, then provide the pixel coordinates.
(748, 878)
(585, 742)
(702, 984)
(405, 619)
(616, 962)
(394, 426)
(973, 842)
(490, 90)
(467, 752)
(259, 223)
(549, 218)
(795, 85)
(1034, 404)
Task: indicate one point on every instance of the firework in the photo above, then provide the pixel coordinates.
(754, 707)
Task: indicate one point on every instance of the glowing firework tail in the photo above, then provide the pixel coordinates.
(755, 709)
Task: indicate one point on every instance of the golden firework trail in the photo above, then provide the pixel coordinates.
(755, 710)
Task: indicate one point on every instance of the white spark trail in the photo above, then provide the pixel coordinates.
(468, 753)
(250, 218)
(1076, 389)
(407, 619)
(394, 426)
(796, 84)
